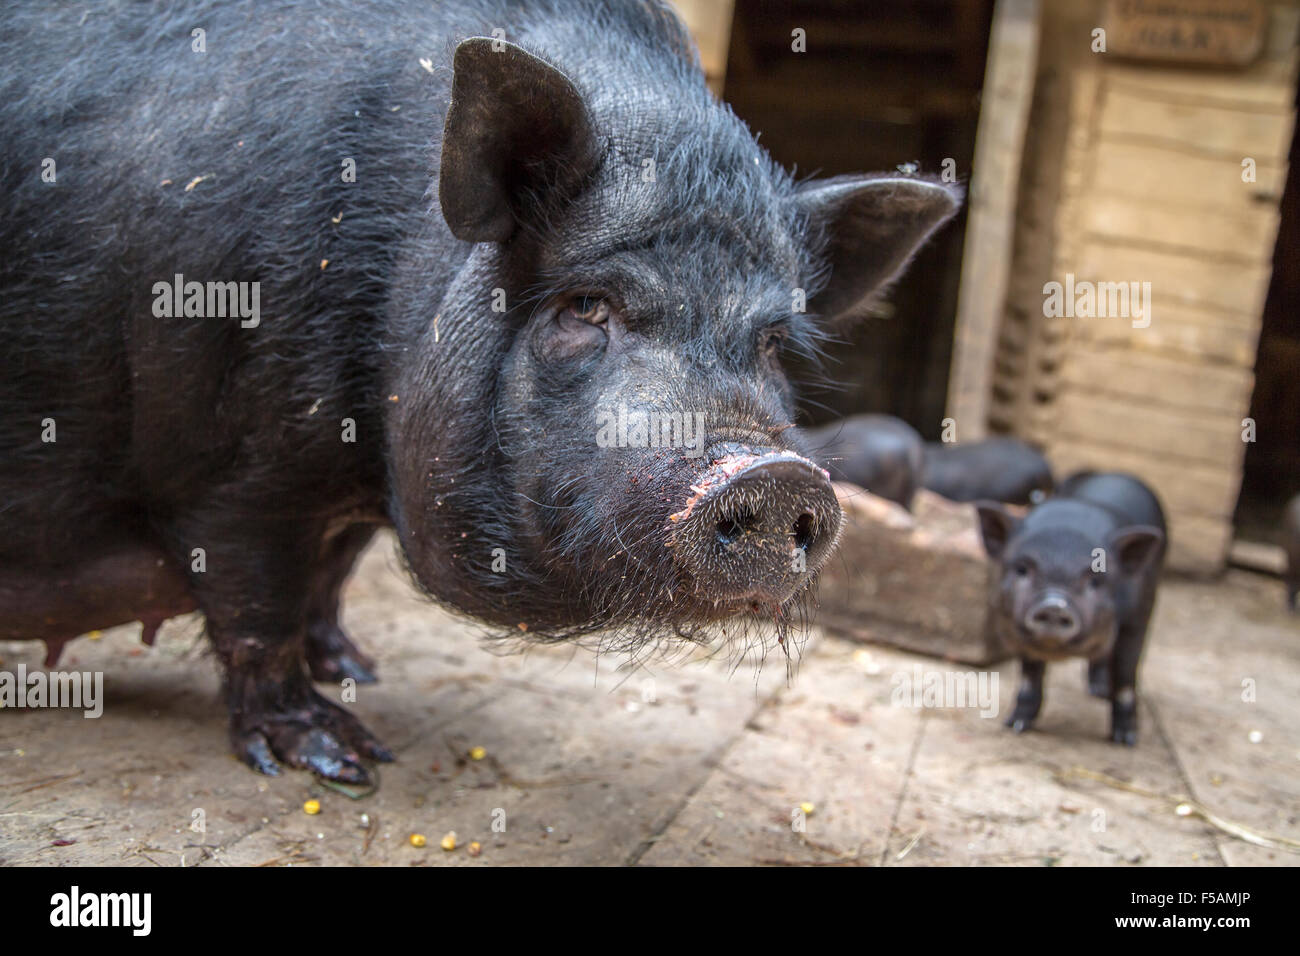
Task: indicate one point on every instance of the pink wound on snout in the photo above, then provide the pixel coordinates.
(723, 469)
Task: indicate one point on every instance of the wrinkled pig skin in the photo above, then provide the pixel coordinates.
(538, 227)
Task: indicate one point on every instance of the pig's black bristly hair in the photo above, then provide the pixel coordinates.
(626, 598)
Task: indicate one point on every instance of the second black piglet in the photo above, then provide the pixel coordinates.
(999, 469)
(1077, 577)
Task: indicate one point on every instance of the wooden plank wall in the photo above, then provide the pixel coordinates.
(1149, 188)
(710, 24)
(990, 230)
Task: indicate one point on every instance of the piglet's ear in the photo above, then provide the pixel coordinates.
(1136, 546)
(517, 131)
(873, 225)
(996, 527)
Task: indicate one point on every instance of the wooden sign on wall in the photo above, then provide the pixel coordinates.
(1215, 32)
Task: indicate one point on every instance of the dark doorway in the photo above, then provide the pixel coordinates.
(881, 85)
(1271, 471)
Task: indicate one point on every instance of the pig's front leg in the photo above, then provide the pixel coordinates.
(1099, 678)
(1123, 701)
(331, 655)
(1029, 699)
(254, 588)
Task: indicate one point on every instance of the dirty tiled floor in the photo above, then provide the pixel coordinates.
(694, 761)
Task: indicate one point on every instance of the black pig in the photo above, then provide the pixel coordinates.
(999, 469)
(1077, 577)
(879, 452)
(274, 274)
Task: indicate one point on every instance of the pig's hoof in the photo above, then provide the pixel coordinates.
(333, 657)
(315, 736)
(1020, 724)
(1128, 736)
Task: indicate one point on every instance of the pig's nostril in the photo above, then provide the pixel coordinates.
(804, 531)
(734, 526)
(1054, 617)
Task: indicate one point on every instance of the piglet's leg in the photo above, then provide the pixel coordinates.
(1099, 678)
(1029, 699)
(1124, 701)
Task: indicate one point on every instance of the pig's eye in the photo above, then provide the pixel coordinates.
(773, 343)
(580, 326)
(588, 308)
(1021, 569)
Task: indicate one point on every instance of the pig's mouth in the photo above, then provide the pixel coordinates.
(759, 604)
(660, 548)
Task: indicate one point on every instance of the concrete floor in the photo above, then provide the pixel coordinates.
(695, 761)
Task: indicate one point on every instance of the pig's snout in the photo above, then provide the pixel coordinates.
(1053, 618)
(758, 528)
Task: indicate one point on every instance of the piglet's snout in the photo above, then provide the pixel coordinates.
(1053, 618)
(761, 523)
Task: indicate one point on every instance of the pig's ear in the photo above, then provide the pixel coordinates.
(873, 226)
(517, 131)
(1136, 546)
(997, 525)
